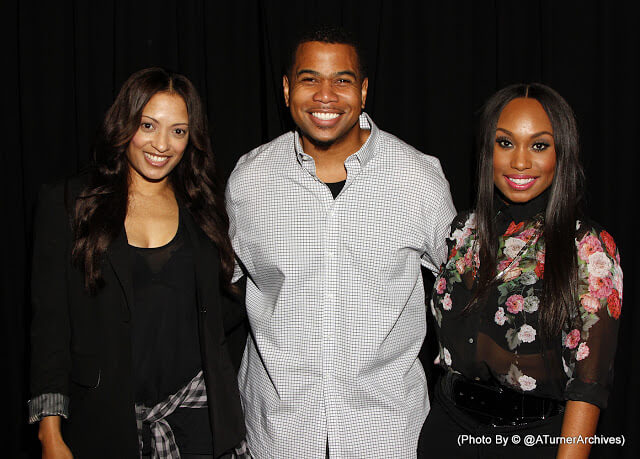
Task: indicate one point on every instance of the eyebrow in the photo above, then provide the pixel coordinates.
(316, 73)
(152, 118)
(537, 134)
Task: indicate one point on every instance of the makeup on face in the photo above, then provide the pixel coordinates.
(524, 155)
(162, 136)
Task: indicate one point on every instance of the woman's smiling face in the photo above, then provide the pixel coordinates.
(524, 154)
(162, 136)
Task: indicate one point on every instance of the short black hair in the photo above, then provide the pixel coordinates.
(327, 34)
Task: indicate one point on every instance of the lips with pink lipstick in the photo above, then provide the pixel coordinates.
(520, 182)
(156, 160)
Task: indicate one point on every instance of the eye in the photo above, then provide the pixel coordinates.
(503, 142)
(307, 80)
(343, 81)
(540, 146)
(145, 126)
(180, 132)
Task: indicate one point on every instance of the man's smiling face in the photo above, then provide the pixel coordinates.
(326, 93)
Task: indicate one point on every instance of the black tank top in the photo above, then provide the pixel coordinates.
(164, 338)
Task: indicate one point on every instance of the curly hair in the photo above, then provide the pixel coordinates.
(101, 208)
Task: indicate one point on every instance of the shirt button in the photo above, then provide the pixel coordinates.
(330, 296)
(470, 340)
(331, 254)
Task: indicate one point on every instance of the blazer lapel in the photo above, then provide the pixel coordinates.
(204, 256)
(118, 255)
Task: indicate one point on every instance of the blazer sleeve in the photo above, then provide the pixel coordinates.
(234, 317)
(50, 325)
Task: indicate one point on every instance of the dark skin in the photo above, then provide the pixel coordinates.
(326, 93)
(525, 151)
(580, 418)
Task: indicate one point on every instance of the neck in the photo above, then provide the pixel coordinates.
(140, 185)
(329, 159)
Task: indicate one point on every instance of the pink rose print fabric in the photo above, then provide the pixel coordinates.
(502, 339)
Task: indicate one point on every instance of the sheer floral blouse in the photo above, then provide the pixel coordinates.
(501, 341)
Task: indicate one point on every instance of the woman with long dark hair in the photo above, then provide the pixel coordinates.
(132, 333)
(527, 305)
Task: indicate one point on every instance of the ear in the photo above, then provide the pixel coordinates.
(363, 89)
(285, 88)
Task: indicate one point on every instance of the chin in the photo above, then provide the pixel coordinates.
(319, 141)
(520, 198)
(152, 176)
(154, 179)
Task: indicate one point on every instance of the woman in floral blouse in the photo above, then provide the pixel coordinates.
(527, 305)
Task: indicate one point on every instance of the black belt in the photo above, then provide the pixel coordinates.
(496, 405)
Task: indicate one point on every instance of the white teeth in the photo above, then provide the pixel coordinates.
(156, 159)
(521, 181)
(325, 116)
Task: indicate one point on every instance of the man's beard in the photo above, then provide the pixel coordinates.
(323, 144)
(320, 144)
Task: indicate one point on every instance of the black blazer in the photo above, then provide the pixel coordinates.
(81, 344)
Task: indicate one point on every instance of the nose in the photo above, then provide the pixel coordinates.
(325, 93)
(521, 159)
(161, 141)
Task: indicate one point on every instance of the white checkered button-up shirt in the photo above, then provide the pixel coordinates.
(335, 296)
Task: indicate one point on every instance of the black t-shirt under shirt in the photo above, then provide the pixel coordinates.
(336, 188)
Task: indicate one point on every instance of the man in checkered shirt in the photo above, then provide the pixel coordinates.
(330, 225)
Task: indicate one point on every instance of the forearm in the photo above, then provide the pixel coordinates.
(580, 419)
(50, 436)
(49, 430)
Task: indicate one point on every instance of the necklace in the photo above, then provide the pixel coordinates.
(531, 241)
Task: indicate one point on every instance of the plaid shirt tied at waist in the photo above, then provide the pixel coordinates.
(163, 444)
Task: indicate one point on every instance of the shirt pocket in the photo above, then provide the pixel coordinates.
(85, 371)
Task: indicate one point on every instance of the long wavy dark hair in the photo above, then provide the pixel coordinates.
(563, 208)
(101, 208)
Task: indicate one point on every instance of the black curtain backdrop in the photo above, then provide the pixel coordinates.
(431, 65)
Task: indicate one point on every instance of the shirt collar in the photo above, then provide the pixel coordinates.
(366, 152)
(519, 212)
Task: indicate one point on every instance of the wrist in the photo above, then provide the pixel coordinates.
(49, 430)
